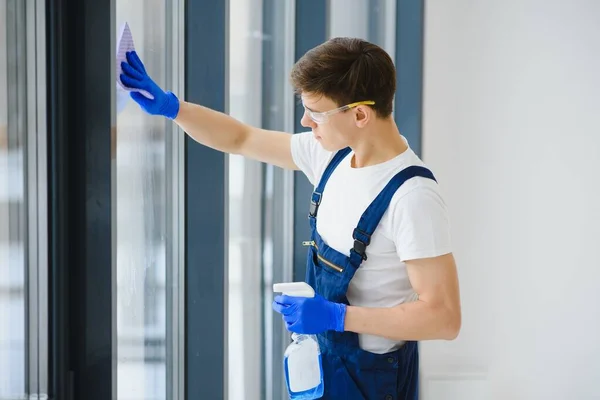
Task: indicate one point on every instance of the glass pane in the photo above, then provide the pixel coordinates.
(142, 209)
(349, 18)
(373, 20)
(245, 181)
(12, 202)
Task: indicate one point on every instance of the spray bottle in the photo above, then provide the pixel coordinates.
(302, 358)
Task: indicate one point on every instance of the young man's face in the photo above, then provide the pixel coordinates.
(335, 131)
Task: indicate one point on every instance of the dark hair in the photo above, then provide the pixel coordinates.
(347, 70)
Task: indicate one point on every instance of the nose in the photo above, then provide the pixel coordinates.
(307, 122)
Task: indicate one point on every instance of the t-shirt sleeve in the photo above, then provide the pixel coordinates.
(309, 156)
(420, 224)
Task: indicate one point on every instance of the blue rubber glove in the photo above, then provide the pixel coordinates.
(310, 315)
(134, 76)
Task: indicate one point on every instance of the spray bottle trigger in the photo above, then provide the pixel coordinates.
(296, 289)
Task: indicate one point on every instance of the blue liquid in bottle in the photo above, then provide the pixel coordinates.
(303, 368)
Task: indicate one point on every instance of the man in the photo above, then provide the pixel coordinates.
(380, 255)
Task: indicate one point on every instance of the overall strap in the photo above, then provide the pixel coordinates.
(317, 194)
(372, 216)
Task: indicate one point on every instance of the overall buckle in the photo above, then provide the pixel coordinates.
(315, 200)
(360, 246)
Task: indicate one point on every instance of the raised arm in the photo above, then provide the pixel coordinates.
(224, 133)
(208, 127)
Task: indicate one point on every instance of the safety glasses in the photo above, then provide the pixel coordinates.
(323, 117)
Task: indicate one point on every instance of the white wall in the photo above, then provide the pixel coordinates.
(511, 127)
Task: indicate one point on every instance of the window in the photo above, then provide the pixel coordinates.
(147, 226)
(245, 197)
(261, 52)
(12, 207)
(23, 216)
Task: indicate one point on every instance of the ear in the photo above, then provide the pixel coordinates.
(362, 116)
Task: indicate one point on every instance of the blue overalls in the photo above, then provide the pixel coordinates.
(351, 373)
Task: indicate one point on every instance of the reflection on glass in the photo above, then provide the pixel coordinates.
(12, 206)
(140, 219)
(245, 177)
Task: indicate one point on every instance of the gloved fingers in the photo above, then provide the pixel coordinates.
(134, 60)
(132, 72)
(289, 300)
(280, 308)
(291, 323)
(141, 99)
(132, 83)
(288, 326)
(294, 326)
(282, 300)
(284, 309)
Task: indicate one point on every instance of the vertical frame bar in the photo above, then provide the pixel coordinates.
(42, 194)
(206, 203)
(278, 200)
(176, 215)
(114, 390)
(81, 83)
(376, 22)
(34, 330)
(58, 194)
(311, 30)
(409, 71)
(92, 258)
(37, 243)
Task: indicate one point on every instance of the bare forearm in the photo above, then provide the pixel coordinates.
(211, 128)
(410, 321)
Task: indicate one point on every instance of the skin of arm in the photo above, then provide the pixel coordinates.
(436, 315)
(224, 133)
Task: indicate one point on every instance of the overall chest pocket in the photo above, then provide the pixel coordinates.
(321, 261)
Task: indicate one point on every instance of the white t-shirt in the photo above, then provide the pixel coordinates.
(415, 225)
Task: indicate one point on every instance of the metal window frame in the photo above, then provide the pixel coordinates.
(206, 206)
(81, 85)
(311, 28)
(80, 167)
(176, 214)
(57, 78)
(409, 71)
(376, 15)
(37, 243)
